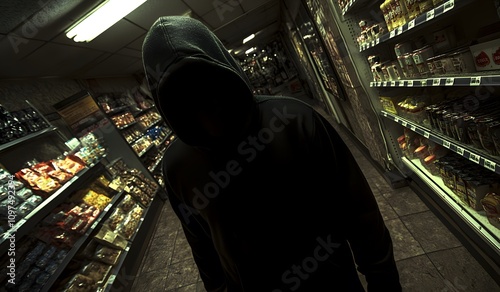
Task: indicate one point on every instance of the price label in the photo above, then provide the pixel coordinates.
(373, 43)
(475, 81)
(372, 84)
(412, 128)
(411, 24)
(404, 123)
(460, 150)
(429, 15)
(400, 30)
(474, 158)
(384, 114)
(396, 119)
(450, 81)
(410, 83)
(446, 144)
(401, 83)
(384, 83)
(377, 41)
(393, 83)
(490, 165)
(426, 134)
(449, 5)
(392, 34)
(436, 82)
(379, 83)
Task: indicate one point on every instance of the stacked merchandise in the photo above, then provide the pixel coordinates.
(473, 185)
(17, 124)
(84, 240)
(39, 181)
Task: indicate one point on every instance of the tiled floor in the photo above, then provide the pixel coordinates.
(428, 256)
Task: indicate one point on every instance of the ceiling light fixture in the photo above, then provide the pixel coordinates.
(248, 38)
(101, 18)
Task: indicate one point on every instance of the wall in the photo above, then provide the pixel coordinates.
(45, 92)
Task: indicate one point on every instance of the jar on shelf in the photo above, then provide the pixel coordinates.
(402, 48)
(411, 68)
(412, 9)
(425, 5)
(385, 7)
(420, 58)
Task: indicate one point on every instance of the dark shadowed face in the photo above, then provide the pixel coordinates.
(205, 105)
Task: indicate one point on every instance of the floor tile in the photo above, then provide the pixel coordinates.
(405, 246)
(181, 274)
(151, 281)
(419, 274)
(430, 232)
(404, 201)
(386, 209)
(158, 257)
(378, 183)
(182, 250)
(461, 271)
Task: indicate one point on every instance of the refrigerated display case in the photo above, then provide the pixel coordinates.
(428, 73)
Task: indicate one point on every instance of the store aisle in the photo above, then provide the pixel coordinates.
(429, 256)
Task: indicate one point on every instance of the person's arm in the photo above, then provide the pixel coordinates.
(368, 237)
(198, 236)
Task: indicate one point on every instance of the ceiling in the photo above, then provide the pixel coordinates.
(33, 43)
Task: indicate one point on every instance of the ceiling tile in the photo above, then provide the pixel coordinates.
(151, 10)
(201, 8)
(52, 60)
(137, 44)
(250, 5)
(217, 18)
(14, 12)
(53, 18)
(113, 66)
(130, 52)
(14, 48)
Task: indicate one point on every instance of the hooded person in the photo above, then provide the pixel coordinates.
(268, 194)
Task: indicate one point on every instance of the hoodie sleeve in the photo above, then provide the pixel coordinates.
(198, 236)
(367, 234)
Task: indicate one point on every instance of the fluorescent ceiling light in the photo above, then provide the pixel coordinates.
(250, 50)
(101, 18)
(248, 38)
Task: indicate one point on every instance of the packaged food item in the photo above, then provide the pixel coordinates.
(97, 271)
(491, 205)
(107, 254)
(420, 58)
(486, 55)
(80, 283)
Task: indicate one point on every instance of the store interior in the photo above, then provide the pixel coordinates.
(410, 84)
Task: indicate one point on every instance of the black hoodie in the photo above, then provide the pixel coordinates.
(269, 196)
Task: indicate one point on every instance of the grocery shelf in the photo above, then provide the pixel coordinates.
(419, 20)
(80, 242)
(127, 126)
(351, 5)
(475, 155)
(26, 224)
(26, 138)
(464, 80)
(137, 113)
(477, 220)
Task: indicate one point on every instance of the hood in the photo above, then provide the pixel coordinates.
(201, 91)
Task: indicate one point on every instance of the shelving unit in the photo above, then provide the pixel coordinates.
(353, 55)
